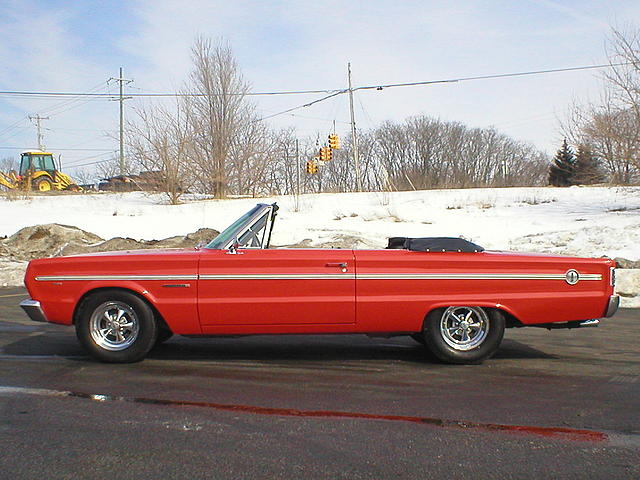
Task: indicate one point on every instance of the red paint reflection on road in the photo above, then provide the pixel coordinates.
(548, 432)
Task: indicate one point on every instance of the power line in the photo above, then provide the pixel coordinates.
(112, 152)
(305, 105)
(498, 75)
(310, 117)
(110, 96)
(452, 80)
(72, 102)
(63, 149)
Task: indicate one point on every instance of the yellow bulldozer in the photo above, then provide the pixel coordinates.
(38, 172)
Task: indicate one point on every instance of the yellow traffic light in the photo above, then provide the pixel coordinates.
(326, 154)
(312, 166)
(334, 141)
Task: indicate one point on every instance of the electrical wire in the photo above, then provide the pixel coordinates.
(303, 106)
(308, 92)
(109, 96)
(487, 77)
(75, 165)
(62, 149)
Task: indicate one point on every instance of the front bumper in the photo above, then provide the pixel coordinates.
(612, 308)
(34, 310)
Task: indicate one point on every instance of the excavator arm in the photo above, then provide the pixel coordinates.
(9, 180)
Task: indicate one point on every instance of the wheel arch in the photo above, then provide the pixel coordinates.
(85, 296)
(510, 317)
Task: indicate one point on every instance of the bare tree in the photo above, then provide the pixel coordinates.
(624, 74)
(8, 163)
(111, 167)
(611, 126)
(425, 152)
(160, 143)
(219, 111)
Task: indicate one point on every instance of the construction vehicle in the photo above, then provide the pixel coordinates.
(38, 172)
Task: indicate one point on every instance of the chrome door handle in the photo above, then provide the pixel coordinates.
(341, 265)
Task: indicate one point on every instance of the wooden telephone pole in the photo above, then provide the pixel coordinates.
(121, 81)
(354, 138)
(38, 119)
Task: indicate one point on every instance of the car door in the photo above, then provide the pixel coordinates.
(283, 289)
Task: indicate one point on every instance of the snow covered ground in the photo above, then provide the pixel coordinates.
(581, 221)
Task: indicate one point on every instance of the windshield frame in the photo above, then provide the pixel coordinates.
(237, 229)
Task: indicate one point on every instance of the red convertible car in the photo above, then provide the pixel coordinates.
(447, 293)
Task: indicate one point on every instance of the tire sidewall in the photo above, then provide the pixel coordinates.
(147, 333)
(436, 344)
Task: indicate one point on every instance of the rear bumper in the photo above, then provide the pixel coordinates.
(612, 308)
(34, 310)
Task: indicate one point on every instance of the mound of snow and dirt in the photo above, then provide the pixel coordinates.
(577, 221)
(53, 240)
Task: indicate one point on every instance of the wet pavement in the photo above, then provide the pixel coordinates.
(564, 403)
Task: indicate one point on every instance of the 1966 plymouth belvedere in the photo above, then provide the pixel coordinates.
(447, 293)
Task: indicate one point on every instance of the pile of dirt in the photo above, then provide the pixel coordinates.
(48, 240)
(53, 240)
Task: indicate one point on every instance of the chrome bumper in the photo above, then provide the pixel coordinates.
(33, 309)
(612, 308)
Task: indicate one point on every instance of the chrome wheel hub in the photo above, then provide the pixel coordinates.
(464, 328)
(114, 326)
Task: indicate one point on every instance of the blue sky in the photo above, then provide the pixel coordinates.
(77, 46)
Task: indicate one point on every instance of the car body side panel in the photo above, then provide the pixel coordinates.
(397, 288)
(168, 279)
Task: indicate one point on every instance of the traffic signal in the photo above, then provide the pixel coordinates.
(326, 154)
(334, 141)
(312, 166)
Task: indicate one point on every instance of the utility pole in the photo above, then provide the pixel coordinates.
(121, 80)
(354, 138)
(38, 119)
(297, 176)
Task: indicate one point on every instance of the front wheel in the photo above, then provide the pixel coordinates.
(43, 185)
(462, 334)
(116, 327)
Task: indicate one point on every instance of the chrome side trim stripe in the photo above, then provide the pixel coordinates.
(59, 278)
(311, 276)
(334, 276)
(474, 276)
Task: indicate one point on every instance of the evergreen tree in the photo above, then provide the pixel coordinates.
(563, 166)
(587, 168)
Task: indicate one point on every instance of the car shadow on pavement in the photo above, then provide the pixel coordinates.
(63, 343)
(318, 348)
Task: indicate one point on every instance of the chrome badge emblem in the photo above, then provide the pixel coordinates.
(572, 277)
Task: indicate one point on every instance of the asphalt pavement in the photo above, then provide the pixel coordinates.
(550, 404)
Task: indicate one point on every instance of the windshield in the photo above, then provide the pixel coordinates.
(229, 233)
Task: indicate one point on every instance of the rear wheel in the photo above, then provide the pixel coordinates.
(463, 334)
(116, 327)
